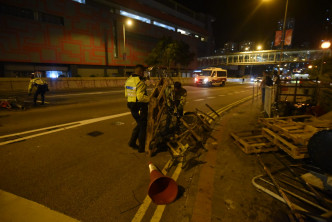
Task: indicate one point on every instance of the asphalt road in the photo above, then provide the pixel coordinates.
(85, 169)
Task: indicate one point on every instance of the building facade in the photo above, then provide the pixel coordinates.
(90, 37)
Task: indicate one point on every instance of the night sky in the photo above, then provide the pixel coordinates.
(239, 20)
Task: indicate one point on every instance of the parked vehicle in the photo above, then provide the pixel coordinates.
(211, 77)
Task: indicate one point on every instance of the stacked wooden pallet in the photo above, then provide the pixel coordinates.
(253, 143)
(291, 134)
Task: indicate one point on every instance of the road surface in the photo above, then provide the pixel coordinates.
(71, 155)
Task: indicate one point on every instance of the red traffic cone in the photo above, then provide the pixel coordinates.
(162, 189)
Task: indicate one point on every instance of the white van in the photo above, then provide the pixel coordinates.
(211, 77)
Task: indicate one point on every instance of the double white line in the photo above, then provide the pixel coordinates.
(17, 137)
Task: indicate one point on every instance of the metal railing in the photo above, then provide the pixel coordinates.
(263, 57)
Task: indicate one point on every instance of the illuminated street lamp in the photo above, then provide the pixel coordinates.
(325, 45)
(129, 23)
(310, 67)
(259, 47)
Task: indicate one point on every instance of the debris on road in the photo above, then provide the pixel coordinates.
(192, 134)
(297, 189)
(11, 104)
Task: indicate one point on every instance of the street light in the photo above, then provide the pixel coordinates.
(129, 23)
(259, 47)
(325, 45)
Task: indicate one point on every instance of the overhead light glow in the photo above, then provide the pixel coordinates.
(164, 26)
(80, 1)
(133, 16)
(183, 32)
(326, 45)
(53, 74)
(129, 22)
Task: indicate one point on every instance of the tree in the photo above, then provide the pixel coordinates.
(170, 53)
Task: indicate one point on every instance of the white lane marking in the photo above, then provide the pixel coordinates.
(57, 128)
(14, 208)
(80, 94)
(221, 95)
(198, 100)
(211, 97)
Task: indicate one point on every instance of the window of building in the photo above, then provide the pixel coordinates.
(53, 74)
(115, 39)
(54, 19)
(163, 26)
(183, 32)
(133, 16)
(16, 11)
(80, 1)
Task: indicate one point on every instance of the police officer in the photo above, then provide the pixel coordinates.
(176, 99)
(37, 86)
(135, 91)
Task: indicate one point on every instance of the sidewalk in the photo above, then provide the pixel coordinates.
(224, 190)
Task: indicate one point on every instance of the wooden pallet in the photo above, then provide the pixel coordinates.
(297, 132)
(295, 151)
(250, 143)
(155, 112)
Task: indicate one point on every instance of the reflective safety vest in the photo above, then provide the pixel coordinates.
(33, 84)
(135, 90)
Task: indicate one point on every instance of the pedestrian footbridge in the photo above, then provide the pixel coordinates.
(263, 57)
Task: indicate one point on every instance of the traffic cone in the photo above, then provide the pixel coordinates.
(162, 189)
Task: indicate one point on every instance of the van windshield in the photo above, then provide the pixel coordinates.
(205, 73)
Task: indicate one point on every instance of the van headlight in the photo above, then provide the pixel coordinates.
(206, 80)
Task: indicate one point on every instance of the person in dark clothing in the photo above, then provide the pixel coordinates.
(176, 99)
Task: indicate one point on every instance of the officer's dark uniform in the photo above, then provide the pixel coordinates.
(135, 91)
(176, 99)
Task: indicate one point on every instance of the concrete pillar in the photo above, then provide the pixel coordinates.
(73, 71)
(242, 70)
(2, 70)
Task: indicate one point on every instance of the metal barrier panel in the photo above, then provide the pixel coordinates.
(269, 99)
